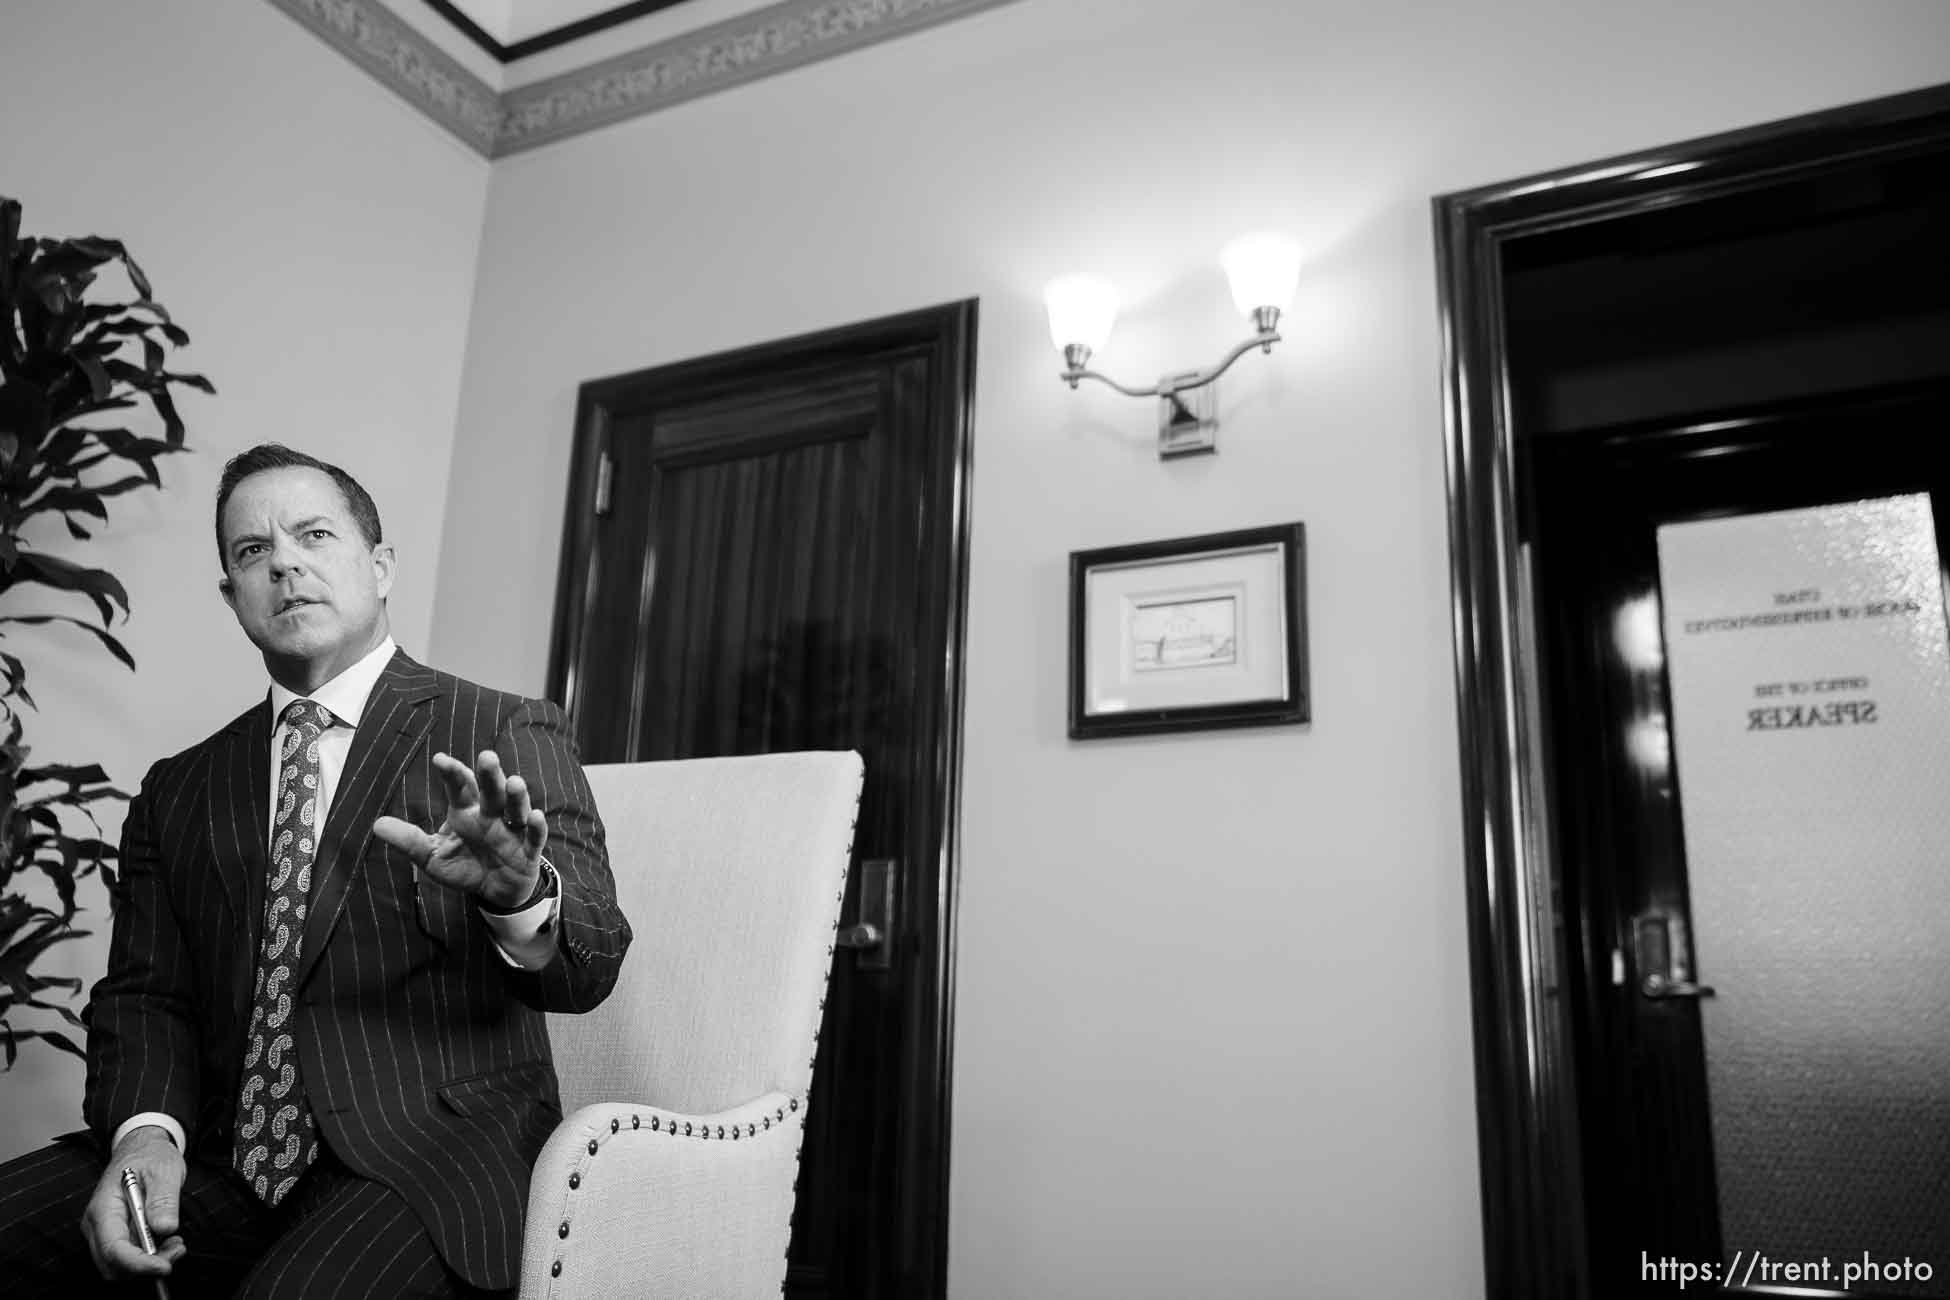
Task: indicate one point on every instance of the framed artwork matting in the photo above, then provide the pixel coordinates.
(1190, 633)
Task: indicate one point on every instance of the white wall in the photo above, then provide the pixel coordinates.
(317, 237)
(1213, 1019)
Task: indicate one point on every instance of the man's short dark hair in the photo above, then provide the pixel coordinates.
(273, 455)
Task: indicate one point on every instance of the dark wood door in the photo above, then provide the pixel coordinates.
(1657, 1151)
(767, 551)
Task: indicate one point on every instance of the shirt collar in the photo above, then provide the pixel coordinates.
(346, 694)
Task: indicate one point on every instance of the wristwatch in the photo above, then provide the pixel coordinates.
(547, 884)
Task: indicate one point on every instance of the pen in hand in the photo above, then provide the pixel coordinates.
(132, 1193)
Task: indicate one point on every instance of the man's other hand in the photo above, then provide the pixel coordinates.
(491, 844)
(112, 1238)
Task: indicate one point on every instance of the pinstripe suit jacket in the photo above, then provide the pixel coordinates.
(425, 1055)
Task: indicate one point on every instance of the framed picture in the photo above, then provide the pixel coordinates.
(1187, 634)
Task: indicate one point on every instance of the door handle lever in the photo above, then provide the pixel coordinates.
(872, 935)
(1664, 950)
(861, 936)
(1658, 986)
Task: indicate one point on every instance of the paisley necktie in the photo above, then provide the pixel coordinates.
(277, 1138)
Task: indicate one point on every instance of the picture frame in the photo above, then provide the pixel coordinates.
(1189, 634)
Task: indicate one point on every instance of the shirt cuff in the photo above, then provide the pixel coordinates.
(156, 1117)
(526, 939)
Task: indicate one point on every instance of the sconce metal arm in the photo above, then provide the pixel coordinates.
(1263, 340)
(1073, 376)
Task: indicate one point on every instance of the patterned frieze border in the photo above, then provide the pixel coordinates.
(731, 53)
(413, 67)
(741, 49)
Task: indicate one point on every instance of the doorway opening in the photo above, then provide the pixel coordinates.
(1705, 1059)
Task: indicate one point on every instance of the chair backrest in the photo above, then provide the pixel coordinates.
(731, 872)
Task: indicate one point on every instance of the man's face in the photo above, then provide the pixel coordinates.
(304, 585)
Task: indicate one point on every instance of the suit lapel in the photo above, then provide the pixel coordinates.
(240, 800)
(392, 728)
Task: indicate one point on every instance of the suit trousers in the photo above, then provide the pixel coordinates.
(336, 1235)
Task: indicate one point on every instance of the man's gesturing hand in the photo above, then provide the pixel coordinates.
(111, 1237)
(490, 846)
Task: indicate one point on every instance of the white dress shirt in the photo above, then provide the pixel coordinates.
(526, 938)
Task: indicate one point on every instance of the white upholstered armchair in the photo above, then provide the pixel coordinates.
(685, 1092)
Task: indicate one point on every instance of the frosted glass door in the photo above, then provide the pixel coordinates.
(1809, 672)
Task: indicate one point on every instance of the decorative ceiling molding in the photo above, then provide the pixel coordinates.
(731, 53)
(547, 40)
(414, 68)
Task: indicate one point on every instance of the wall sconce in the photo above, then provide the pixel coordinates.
(1263, 270)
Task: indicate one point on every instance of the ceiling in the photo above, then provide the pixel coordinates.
(611, 62)
(515, 29)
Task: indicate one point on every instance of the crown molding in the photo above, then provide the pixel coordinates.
(494, 124)
(407, 63)
(546, 40)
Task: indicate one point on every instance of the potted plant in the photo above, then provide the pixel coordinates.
(72, 373)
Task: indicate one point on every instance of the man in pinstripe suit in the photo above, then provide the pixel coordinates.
(367, 954)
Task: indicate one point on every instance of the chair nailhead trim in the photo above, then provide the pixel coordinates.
(563, 1231)
(655, 1123)
(592, 1146)
(555, 1270)
(575, 1181)
(615, 1124)
(687, 1130)
(635, 1122)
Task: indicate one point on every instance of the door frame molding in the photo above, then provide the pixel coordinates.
(1528, 1144)
(948, 333)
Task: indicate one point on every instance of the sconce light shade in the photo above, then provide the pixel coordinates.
(1082, 309)
(1263, 269)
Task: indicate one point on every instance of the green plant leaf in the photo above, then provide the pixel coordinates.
(9, 237)
(66, 1013)
(9, 1036)
(19, 955)
(96, 408)
(72, 257)
(136, 277)
(87, 501)
(99, 386)
(98, 248)
(108, 641)
(74, 775)
(99, 585)
(79, 799)
(143, 451)
(41, 815)
(68, 983)
(166, 408)
(14, 920)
